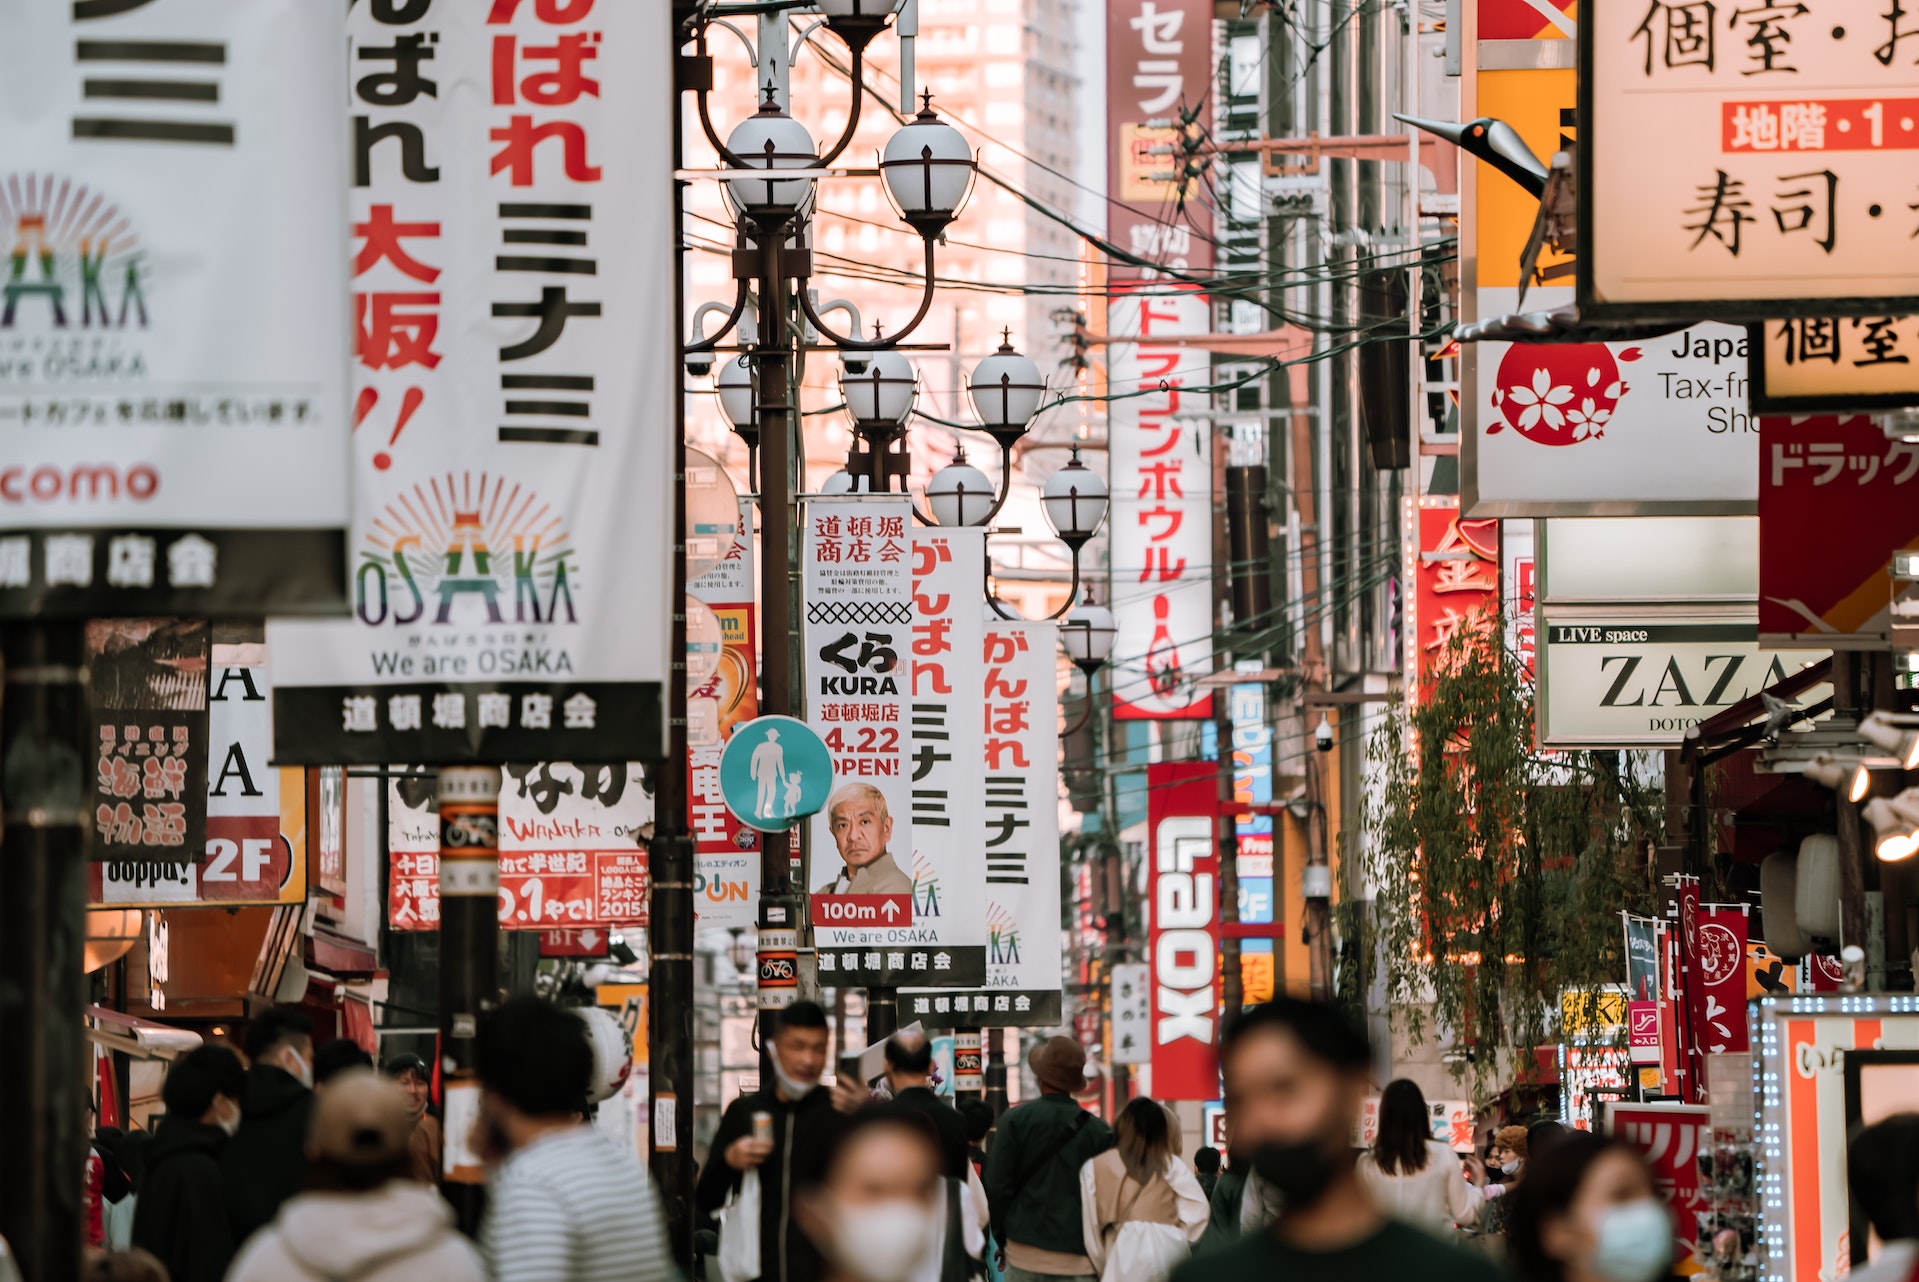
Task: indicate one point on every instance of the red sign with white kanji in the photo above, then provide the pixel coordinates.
(1456, 586)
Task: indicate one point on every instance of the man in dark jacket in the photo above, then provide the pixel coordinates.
(909, 1064)
(181, 1216)
(804, 1115)
(1032, 1170)
(266, 1163)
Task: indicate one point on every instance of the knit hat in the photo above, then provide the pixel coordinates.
(1060, 1063)
(360, 1119)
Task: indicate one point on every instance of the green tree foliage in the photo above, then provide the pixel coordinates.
(1499, 871)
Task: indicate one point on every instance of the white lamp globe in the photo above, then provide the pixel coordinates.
(1006, 389)
(766, 141)
(885, 391)
(960, 494)
(734, 383)
(1087, 632)
(1075, 502)
(841, 482)
(928, 170)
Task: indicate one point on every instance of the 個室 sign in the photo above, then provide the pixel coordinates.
(1747, 162)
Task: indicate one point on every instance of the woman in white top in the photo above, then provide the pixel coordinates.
(1413, 1177)
(1141, 1208)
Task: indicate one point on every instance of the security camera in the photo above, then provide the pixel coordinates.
(699, 364)
(855, 365)
(1323, 734)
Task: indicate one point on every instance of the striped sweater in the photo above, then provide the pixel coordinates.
(570, 1207)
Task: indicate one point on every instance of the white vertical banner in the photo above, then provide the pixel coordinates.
(1024, 952)
(1160, 454)
(173, 419)
(513, 394)
(944, 769)
(857, 639)
(1132, 1007)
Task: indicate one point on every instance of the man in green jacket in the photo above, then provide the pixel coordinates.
(1032, 1171)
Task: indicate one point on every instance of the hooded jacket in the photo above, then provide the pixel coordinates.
(400, 1232)
(265, 1164)
(181, 1216)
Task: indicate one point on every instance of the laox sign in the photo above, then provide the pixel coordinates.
(1183, 934)
(1184, 905)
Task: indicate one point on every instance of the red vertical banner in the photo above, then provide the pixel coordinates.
(1183, 928)
(1455, 577)
(1159, 63)
(1719, 962)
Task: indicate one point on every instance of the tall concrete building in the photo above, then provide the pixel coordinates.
(1004, 72)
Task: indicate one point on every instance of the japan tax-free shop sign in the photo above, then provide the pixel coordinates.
(173, 325)
(513, 388)
(1747, 161)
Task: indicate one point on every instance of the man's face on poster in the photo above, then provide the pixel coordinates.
(861, 830)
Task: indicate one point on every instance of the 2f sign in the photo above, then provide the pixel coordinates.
(1184, 908)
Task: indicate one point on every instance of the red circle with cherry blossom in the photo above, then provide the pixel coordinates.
(1558, 393)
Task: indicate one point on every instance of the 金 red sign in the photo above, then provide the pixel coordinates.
(1456, 581)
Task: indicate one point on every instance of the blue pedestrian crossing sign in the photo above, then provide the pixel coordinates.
(775, 772)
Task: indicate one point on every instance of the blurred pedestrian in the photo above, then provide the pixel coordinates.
(1412, 1176)
(1141, 1209)
(362, 1216)
(1882, 1168)
(1206, 1168)
(425, 1144)
(266, 1162)
(872, 1206)
(563, 1202)
(1587, 1212)
(181, 1215)
(909, 1065)
(336, 1057)
(781, 1131)
(116, 1189)
(1296, 1075)
(1032, 1171)
(1508, 1158)
(122, 1266)
(977, 1114)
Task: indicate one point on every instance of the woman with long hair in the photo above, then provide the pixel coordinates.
(1141, 1208)
(1413, 1176)
(1587, 1212)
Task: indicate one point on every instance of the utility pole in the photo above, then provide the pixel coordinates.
(669, 1011)
(1232, 987)
(469, 945)
(43, 729)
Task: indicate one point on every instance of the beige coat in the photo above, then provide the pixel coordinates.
(1134, 1232)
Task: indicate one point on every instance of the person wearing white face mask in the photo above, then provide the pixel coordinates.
(877, 1206)
(779, 1131)
(1587, 1212)
(266, 1163)
(181, 1216)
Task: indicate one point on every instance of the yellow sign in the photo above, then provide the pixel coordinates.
(1539, 104)
(1829, 363)
(1137, 184)
(1579, 1017)
(1256, 975)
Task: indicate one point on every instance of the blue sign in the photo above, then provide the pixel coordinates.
(775, 772)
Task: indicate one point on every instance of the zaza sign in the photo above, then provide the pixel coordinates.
(1642, 680)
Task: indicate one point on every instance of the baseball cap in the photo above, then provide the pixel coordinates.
(407, 1062)
(361, 1119)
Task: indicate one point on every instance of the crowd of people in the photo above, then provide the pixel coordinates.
(304, 1166)
(297, 1165)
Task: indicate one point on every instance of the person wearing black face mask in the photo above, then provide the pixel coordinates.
(1296, 1075)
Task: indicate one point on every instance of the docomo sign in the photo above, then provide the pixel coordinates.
(1185, 953)
(48, 484)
